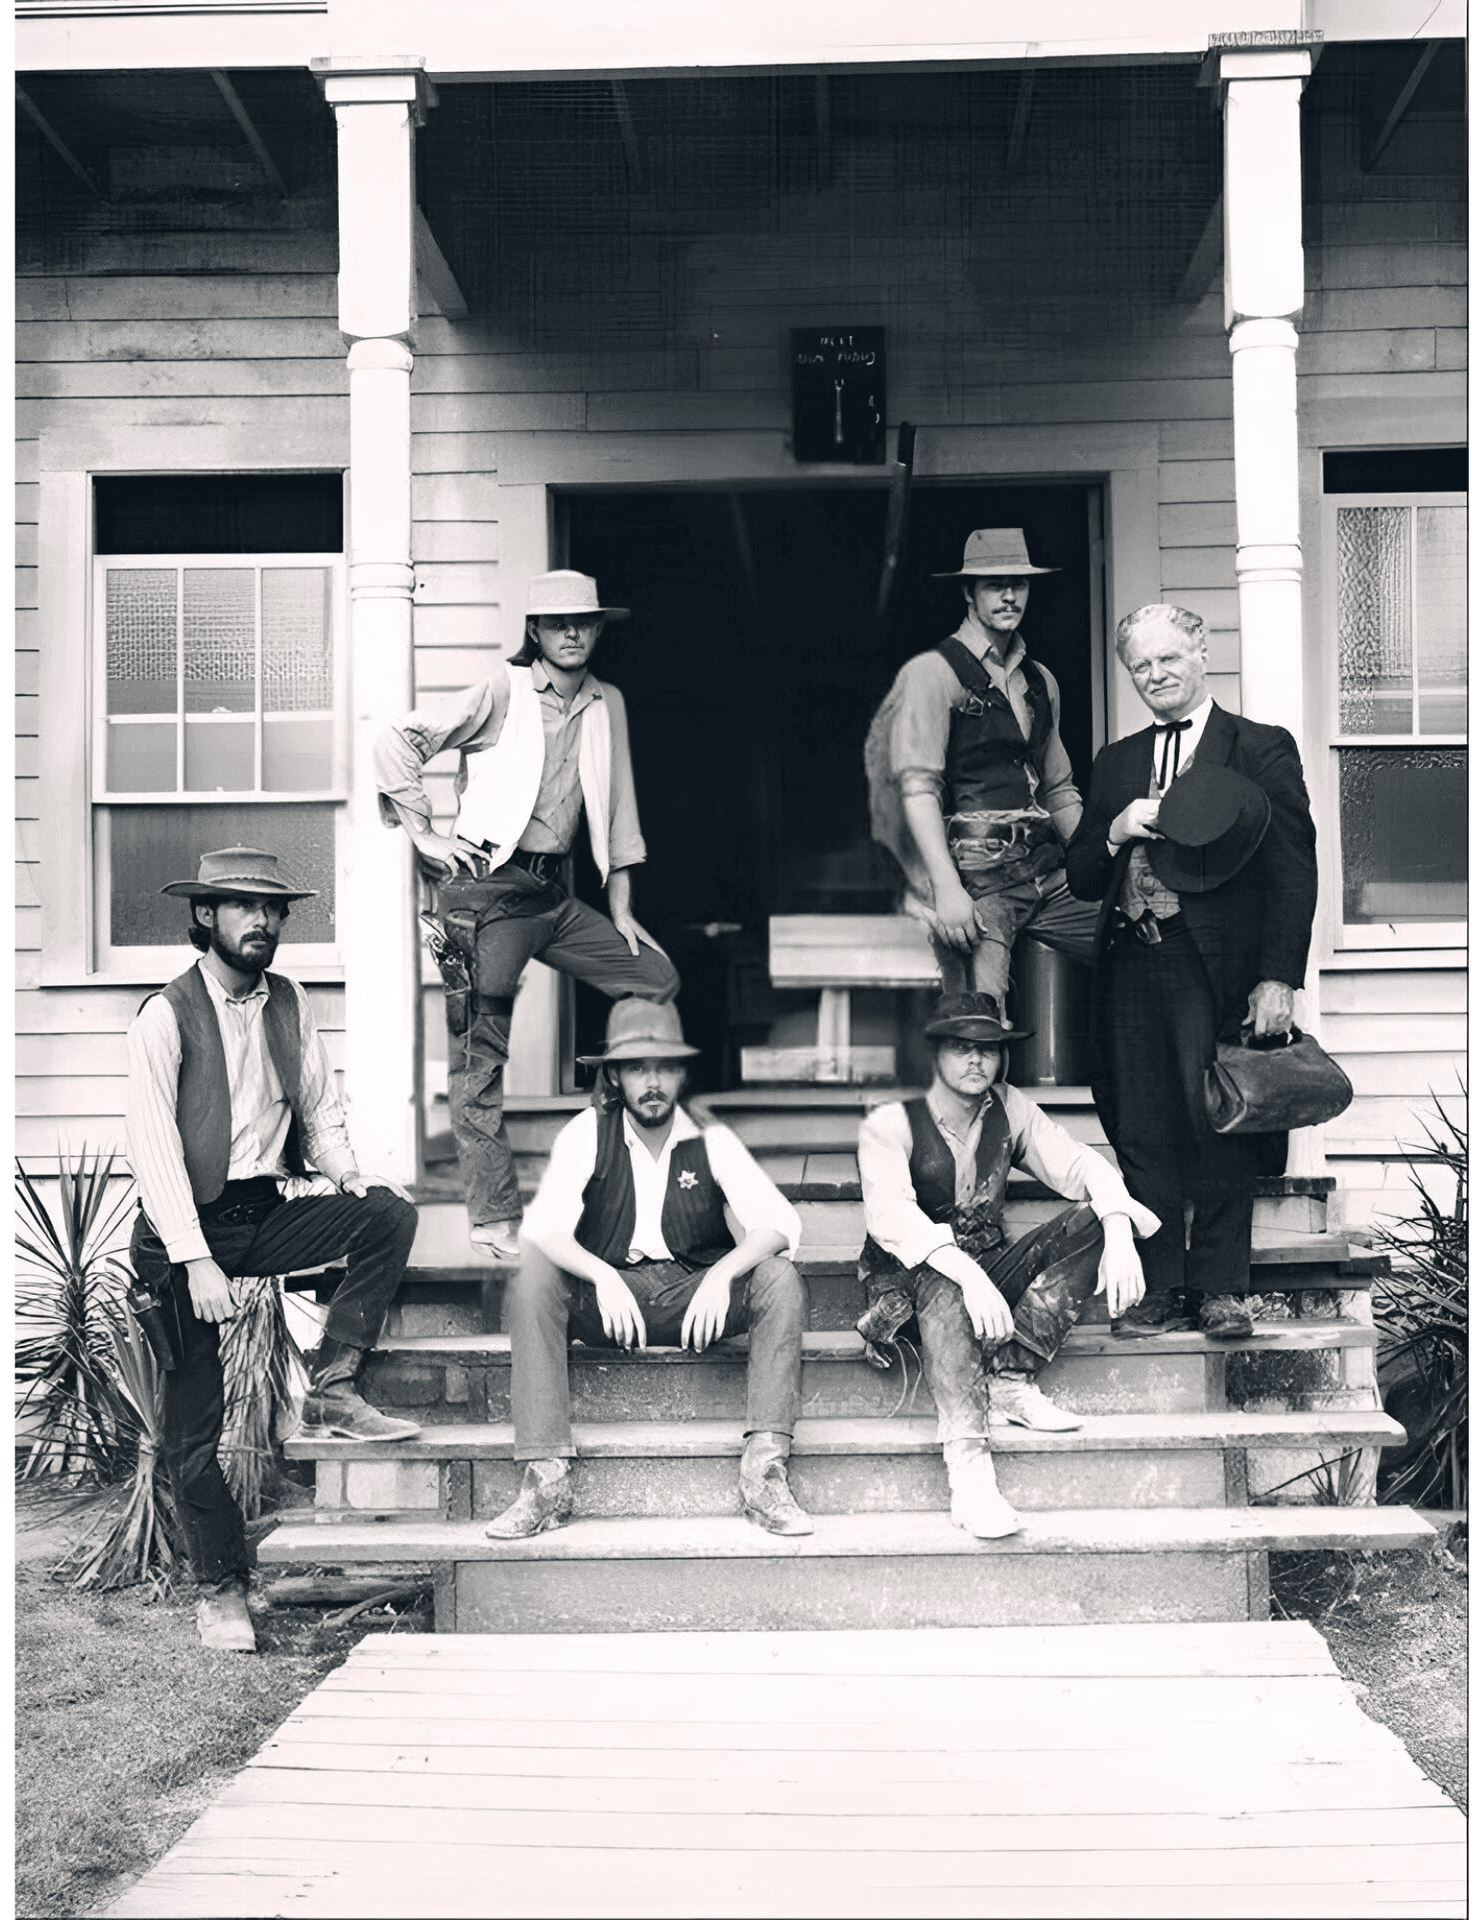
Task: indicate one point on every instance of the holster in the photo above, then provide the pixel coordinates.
(452, 940)
(154, 1323)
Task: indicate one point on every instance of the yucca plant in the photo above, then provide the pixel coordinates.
(262, 1366)
(70, 1288)
(1421, 1314)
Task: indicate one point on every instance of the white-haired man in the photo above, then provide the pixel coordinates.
(540, 742)
(1204, 926)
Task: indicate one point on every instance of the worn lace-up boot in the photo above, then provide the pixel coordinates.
(767, 1499)
(543, 1502)
(222, 1619)
(332, 1407)
(1015, 1397)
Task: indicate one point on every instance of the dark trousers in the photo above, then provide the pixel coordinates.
(509, 919)
(1005, 907)
(1158, 1037)
(251, 1229)
(547, 1307)
(1046, 1278)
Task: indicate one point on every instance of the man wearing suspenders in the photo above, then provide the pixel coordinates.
(970, 786)
(541, 742)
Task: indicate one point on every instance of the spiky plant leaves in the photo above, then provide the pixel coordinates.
(261, 1361)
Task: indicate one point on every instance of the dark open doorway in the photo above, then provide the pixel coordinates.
(751, 668)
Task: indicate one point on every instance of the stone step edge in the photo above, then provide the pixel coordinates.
(697, 1439)
(1278, 1271)
(1286, 1336)
(1089, 1531)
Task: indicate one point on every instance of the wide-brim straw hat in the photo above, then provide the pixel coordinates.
(244, 871)
(640, 1030)
(995, 553)
(971, 1016)
(1211, 822)
(567, 592)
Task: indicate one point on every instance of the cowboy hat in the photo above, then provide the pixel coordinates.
(970, 1016)
(995, 553)
(1210, 823)
(245, 872)
(640, 1030)
(569, 593)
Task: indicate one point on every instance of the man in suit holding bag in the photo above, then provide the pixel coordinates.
(1198, 840)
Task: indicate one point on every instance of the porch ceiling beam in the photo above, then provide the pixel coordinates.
(1205, 262)
(1403, 102)
(249, 132)
(54, 140)
(1024, 101)
(434, 273)
(630, 138)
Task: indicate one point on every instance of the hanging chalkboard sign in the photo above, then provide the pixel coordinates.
(839, 394)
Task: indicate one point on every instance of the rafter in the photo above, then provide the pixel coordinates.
(434, 274)
(1024, 101)
(1403, 102)
(49, 133)
(249, 132)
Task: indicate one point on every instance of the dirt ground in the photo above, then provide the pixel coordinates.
(126, 1727)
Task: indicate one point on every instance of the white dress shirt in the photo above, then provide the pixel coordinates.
(897, 1223)
(260, 1109)
(752, 1201)
(1188, 742)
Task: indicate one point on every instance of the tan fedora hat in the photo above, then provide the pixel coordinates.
(244, 871)
(995, 553)
(640, 1030)
(567, 592)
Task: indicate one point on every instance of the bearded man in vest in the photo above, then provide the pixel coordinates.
(231, 1102)
(540, 742)
(990, 1314)
(652, 1225)
(970, 786)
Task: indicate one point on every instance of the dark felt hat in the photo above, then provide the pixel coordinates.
(640, 1030)
(1211, 822)
(244, 873)
(970, 1016)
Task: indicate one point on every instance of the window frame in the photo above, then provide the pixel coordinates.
(1347, 936)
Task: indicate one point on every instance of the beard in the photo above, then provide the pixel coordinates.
(251, 954)
(651, 1110)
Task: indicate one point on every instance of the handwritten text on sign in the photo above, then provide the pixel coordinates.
(839, 394)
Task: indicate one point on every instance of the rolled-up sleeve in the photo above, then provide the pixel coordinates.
(1068, 1167)
(557, 1206)
(892, 1217)
(752, 1197)
(625, 840)
(921, 714)
(1058, 793)
(401, 750)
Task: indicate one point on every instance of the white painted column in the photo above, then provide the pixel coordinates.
(1264, 296)
(377, 108)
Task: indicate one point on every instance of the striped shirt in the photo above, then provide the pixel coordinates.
(260, 1109)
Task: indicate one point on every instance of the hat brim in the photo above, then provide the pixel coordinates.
(995, 573)
(639, 1050)
(974, 1027)
(1200, 866)
(236, 890)
(575, 613)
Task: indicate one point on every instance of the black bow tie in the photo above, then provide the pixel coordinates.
(1171, 730)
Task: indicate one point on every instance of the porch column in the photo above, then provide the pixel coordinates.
(377, 108)
(1264, 295)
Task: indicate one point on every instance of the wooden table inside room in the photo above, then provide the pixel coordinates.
(1134, 1771)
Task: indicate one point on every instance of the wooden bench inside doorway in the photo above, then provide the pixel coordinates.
(836, 953)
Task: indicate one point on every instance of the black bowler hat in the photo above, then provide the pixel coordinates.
(1210, 823)
(970, 1016)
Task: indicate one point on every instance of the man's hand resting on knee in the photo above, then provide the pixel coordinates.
(1119, 1271)
(621, 1320)
(211, 1291)
(987, 1309)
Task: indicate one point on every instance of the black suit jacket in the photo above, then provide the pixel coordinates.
(1258, 925)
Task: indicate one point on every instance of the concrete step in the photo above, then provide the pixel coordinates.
(460, 1378)
(854, 1571)
(689, 1468)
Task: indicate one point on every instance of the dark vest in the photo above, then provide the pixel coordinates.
(692, 1218)
(988, 758)
(203, 1106)
(978, 1228)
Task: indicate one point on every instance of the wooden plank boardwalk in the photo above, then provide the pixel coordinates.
(1137, 1771)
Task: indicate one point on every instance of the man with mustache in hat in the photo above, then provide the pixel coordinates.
(991, 1314)
(1199, 843)
(653, 1224)
(970, 786)
(231, 1102)
(540, 742)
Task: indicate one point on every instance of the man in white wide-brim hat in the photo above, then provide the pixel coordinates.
(970, 786)
(541, 742)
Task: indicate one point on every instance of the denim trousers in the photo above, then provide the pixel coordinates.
(252, 1229)
(498, 925)
(1007, 903)
(1046, 1278)
(547, 1307)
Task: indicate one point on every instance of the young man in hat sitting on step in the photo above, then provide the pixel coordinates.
(990, 1313)
(231, 1102)
(541, 742)
(653, 1226)
(970, 786)
(1199, 843)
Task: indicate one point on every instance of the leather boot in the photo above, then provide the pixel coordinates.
(544, 1502)
(767, 1499)
(332, 1407)
(978, 1506)
(222, 1619)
